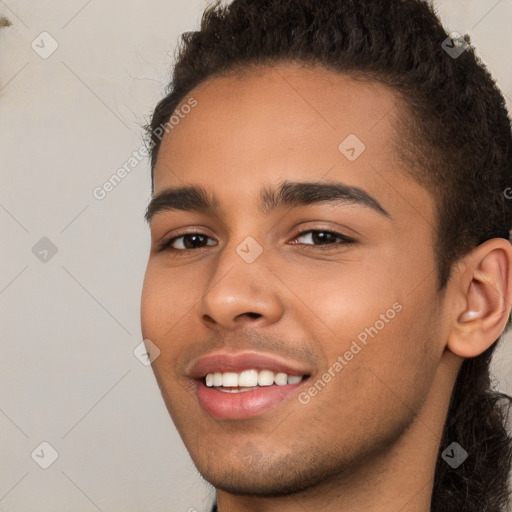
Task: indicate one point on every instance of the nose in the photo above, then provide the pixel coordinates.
(240, 294)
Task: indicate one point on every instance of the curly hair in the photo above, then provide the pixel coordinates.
(455, 135)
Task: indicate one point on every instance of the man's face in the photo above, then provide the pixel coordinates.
(342, 291)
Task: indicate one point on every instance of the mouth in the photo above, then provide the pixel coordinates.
(249, 379)
(236, 396)
(245, 384)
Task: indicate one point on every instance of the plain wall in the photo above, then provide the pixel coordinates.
(69, 325)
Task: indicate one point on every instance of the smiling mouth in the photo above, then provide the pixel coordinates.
(229, 402)
(247, 380)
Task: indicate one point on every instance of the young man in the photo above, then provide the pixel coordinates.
(330, 268)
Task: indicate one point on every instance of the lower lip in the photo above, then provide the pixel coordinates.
(237, 406)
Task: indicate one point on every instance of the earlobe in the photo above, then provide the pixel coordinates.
(484, 287)
(467, 316)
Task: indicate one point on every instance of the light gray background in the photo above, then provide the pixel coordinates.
(69, 326)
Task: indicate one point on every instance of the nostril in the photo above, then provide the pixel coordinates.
(253, 315)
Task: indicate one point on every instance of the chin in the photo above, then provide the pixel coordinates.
(281, 477)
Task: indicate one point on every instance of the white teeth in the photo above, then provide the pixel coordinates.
(249, 379)
(294, 379)
(265, 378)
(233, 390)
(230, 379)
(281, 379)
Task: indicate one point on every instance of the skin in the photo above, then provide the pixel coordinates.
(368, 441)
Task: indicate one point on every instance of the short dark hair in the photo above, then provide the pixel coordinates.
(455, 139)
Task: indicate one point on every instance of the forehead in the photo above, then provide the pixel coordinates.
(287, 122)
(281, 105)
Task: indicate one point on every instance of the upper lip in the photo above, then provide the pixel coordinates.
(238, 362)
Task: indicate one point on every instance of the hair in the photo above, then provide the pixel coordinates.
(455, 136)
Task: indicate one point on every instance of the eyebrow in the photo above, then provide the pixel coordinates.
(288, 194)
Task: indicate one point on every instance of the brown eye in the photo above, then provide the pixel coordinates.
(323, 237)
(188, 241)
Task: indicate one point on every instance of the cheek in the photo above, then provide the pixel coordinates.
(152, 305)
(164, 310)
(381, 291)
(382, 383)
(374, 319)
(167, 297)
(341, 299)
(169, 303)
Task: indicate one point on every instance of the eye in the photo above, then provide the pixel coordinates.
(312, 237)
(322, 237)
(185, 242)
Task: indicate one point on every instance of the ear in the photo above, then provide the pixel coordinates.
(483, 298)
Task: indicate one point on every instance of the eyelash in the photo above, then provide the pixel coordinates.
(165, 245)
